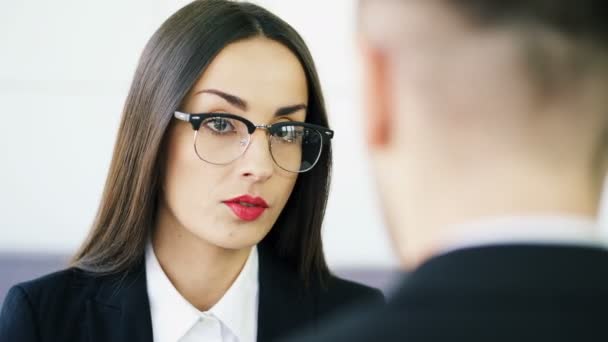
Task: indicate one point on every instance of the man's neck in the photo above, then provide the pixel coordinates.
(446, 214)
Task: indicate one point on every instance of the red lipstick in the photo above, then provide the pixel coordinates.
(247, 208)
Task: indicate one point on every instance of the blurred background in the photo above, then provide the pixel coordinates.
(65, 69)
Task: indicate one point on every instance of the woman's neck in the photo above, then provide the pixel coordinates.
(201, 272)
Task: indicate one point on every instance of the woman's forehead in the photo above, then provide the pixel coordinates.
(258, 70)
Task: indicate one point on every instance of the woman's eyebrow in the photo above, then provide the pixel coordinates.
(242, 104)
(232, 99)
(289, 109)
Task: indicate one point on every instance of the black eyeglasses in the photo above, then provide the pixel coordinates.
(221, 138)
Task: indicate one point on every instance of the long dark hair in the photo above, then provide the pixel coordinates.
(174, 58)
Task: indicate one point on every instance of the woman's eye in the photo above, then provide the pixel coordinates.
(220, 125)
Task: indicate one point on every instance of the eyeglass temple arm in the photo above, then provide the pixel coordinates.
(182, 116)
(328, 135)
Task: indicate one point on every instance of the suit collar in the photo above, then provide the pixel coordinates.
(120, 311)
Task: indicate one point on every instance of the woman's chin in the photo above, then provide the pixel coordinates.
(236, 239)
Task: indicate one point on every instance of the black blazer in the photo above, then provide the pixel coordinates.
(71, 305)
(500, 293)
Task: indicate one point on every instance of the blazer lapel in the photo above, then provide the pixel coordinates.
(120, 312)
(284, 305)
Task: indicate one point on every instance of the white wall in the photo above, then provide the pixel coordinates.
(65, 69)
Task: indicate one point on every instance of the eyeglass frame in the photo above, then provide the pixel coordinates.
(196, 119)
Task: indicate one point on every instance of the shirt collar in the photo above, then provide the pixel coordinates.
(172, 315)
(237, 309)
(549, 229)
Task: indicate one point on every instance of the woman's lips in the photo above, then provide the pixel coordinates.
(247, 208)
(246, 213)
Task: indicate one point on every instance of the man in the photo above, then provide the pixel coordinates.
(487, 122)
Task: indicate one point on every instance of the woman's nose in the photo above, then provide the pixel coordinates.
(256, 163)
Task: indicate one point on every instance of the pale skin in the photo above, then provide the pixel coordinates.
(200, 243)
(457, 133)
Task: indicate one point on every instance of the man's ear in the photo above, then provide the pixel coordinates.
(377, 95)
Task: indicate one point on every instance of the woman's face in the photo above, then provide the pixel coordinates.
(251, 78)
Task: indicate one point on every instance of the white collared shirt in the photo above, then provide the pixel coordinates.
(544, 230)
(232, 319)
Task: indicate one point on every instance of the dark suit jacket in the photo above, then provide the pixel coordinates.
(499, 293)
(71, 305)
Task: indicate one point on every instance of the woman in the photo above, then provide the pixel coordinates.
(209, 225)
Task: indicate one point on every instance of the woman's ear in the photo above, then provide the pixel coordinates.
(377, 95)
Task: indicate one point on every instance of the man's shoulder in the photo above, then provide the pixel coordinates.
(340, 295)
(361, 323)
(554, 293)
(348, 289)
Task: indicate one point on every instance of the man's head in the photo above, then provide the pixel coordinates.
(483, 108)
